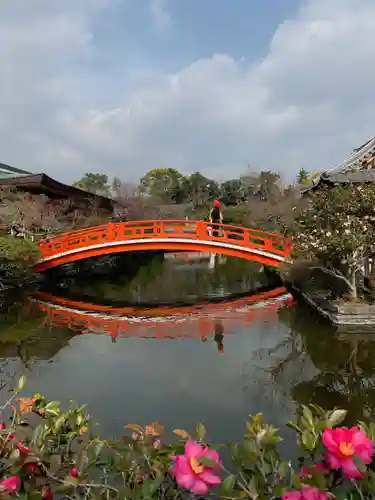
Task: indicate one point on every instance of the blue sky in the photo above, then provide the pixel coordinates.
(194, 29)
(122, 86)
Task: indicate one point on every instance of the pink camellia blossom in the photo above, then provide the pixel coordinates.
(343, 445)
(11, 485)
(190, 473)
(306, 493)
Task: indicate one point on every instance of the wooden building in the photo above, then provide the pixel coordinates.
(55, 190)
(358, 168)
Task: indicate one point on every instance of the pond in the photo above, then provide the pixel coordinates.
(119, 343)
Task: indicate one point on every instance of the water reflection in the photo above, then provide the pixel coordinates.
(173, 279)
(231, 355)
(199, 321)
(314, 364)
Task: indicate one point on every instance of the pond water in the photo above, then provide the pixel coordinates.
(119, 343)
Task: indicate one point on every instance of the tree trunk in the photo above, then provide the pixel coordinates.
(348, 278)
(352, 281)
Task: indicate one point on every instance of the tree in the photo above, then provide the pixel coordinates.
(200, 189)
(303, 176)
(336, 232)
(163, 183)
(123, 190)
(268, 189)
(233, 192)
(94, 183)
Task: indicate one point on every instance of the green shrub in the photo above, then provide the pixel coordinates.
(24, 252)
(17, 256)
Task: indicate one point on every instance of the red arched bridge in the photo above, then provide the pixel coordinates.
(165, 235)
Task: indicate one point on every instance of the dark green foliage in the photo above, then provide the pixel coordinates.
(16, 256)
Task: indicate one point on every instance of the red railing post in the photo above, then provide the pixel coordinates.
(201, 230)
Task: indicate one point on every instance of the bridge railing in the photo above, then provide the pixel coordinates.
(114, 232)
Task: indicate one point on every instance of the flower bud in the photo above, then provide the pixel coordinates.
(24, 449)
(47, 493)
(32, 468)
(74, 472)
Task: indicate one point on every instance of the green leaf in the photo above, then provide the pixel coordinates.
(359, 464)
(337, 417)
(71, 480)
(308, 440)
(98, 449)
(201, 432)
(21, 383)
(308, 415)
(52, 405)
(283, 470)
(293, 426)
(58, 424)
(207, 462)
(150, 487)
(228, 485)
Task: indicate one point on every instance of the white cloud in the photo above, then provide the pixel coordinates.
(307, 104)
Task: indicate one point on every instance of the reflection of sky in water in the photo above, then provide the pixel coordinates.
(266, 363)
(178, 382)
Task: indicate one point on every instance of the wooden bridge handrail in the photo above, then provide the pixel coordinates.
(163, 222)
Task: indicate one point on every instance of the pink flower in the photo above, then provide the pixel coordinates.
(307, 493)
(190, 473)
(343, 445)
(307, 472)
(12, 484)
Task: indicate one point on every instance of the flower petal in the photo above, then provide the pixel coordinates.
(364, 453)
(329, 440)
(333, 461)
(291, 495)
(192, 449)
(310, 493)
(185, 480)
(199, 487)
(350, 470)
(12, 484)
(209, 477)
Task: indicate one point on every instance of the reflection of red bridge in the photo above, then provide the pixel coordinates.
(165, 235)
(161, 322)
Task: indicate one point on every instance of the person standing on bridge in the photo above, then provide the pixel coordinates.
(216, 217)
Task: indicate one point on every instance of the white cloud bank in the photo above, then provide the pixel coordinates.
(306, 104)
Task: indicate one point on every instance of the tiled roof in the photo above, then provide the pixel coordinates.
(4, 166)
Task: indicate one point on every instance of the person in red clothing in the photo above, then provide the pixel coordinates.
(216, 217)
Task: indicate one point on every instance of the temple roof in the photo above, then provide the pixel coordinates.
(43, 184)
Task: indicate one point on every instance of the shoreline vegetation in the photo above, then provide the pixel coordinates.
(49, 451)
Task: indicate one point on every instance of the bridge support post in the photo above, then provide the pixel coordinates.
(201, 230)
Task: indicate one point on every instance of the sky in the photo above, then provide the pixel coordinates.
(220, 86)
